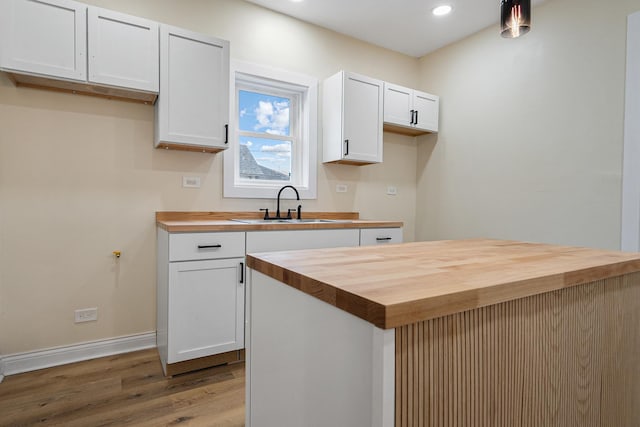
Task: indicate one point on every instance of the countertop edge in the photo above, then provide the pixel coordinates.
(181, 222)
(356, 305)
(199, 226)
(408, 312)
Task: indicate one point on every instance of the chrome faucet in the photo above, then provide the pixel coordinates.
(266, 213)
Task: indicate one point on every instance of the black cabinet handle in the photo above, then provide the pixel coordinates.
(226, 134)
(242, 272)
(346, 147)
(381, 239)
(413, 112)
(209, 246)
(416, 118)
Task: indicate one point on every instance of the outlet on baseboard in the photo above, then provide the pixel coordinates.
(86, 315)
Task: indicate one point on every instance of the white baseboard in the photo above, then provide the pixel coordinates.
(30, 361)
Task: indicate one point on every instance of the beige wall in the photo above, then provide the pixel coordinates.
(531, 130)
(79, 178)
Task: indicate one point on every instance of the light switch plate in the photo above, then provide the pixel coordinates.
(341, 188)
(191, 181)
(392, 190)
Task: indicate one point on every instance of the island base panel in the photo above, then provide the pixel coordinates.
(568, 357)
(312, 364)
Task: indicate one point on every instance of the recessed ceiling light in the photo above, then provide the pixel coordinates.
(442, 10)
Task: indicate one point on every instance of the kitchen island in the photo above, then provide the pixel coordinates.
(450, 333)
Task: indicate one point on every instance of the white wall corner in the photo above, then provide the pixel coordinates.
(30, 361)
(630, 220)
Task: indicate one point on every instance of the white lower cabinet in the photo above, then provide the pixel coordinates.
(201, 287)
(200, 297)
(206, 308)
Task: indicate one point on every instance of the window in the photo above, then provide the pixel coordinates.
(273, 133)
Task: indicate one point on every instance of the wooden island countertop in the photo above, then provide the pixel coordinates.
(398, 285)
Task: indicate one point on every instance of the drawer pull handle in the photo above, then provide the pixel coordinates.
(382, 239)
(242, 272)
(209, 246)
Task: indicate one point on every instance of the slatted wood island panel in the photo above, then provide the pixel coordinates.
(563, 358)
(524, 334)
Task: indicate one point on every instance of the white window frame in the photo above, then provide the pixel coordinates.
(303, 162)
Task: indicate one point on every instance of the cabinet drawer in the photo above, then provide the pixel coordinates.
(380, 236)
(195, 246)
(288, 240)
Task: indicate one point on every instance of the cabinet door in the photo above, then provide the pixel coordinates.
(426, 106)
(193, 105)
(398, 105)
(362, 118)
(123, 50)
(44, 37)
(206, 308)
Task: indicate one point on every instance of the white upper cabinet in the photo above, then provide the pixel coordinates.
(410, 111)
(123, 50)
(67, 45)
(426, 108)
(398, 105)
(45, 37)
(352, 119)
(192, 111)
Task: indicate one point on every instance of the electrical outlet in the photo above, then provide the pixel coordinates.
(392, 190)
(86, 315)
(341, 188)
(191, 181)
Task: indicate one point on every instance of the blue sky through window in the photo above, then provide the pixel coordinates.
(268, 115)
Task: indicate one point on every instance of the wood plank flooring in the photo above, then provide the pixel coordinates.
(123, 390)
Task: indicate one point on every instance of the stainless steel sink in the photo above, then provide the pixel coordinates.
(291, 221)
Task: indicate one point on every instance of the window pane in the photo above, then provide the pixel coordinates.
(266, 159)
(259, 112)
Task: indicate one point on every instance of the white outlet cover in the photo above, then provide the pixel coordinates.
(86, 315)
(191, 181)
(341, 188)
(392, 190)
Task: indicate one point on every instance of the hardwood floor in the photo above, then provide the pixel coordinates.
(123, 390)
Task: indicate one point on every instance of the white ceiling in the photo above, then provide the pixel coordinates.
(406, 26)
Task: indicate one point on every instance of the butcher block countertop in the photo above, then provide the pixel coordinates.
(175, 222)
(396, 285)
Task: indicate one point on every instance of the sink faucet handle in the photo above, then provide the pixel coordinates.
(266, 212)
(289, 213)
